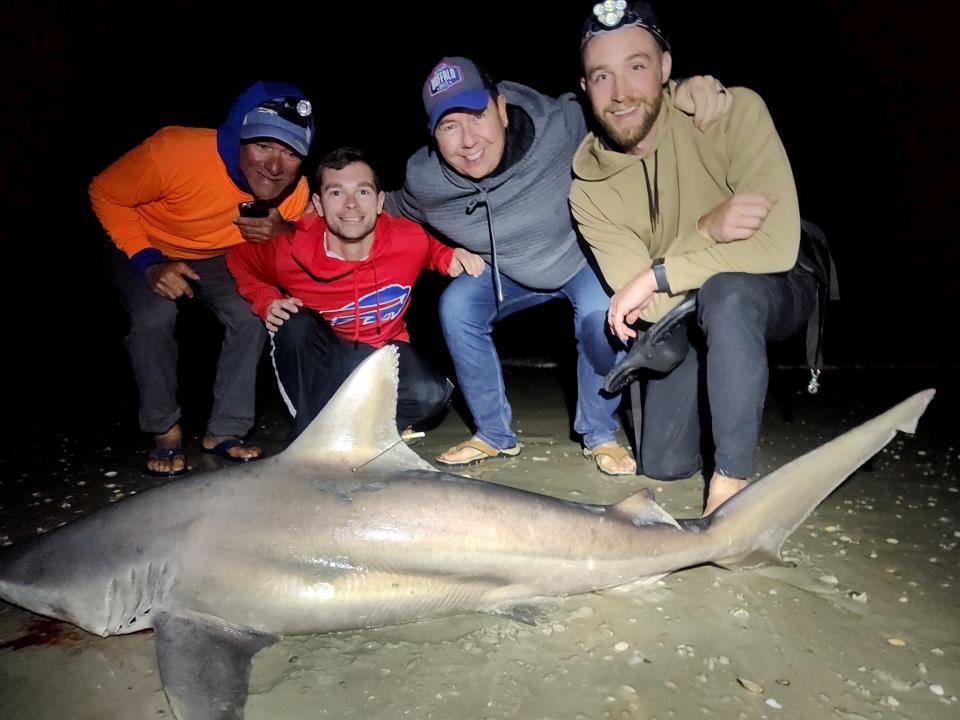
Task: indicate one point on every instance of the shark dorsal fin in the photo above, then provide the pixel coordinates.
(358, 425)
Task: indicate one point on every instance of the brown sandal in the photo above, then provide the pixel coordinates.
(607, 455)
(482, 451)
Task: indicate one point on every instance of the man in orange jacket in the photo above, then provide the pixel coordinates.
(173, 206)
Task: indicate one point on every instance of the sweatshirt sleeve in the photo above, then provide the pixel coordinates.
(253, 266)
(757, 164)
(439, 255)
(132, 180)
(618, 252)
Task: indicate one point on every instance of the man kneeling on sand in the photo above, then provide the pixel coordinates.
(337, 288)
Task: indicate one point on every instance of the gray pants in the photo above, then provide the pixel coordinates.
(737, 314)
(153, 348)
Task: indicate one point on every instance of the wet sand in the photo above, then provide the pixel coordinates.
(861, 623)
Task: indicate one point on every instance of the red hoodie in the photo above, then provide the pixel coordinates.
(363, 300)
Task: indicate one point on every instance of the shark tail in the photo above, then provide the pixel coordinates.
(750, 528)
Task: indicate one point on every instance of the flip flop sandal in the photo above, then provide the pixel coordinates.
(222, 447)
(482, 452)
(171, 453)
(614, 451)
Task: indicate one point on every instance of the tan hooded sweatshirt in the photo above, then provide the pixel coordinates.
(688, 173)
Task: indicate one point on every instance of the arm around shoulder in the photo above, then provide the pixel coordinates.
(757, 164)
(253, 269)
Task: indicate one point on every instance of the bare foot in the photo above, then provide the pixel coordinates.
(722, 488)
(170, 462)
(241, 451)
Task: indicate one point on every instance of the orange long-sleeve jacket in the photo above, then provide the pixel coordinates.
(173, 193)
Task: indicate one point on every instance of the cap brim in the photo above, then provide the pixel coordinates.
(467, 100)
(273, 132)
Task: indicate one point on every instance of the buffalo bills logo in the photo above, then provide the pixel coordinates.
(444, 78)
(390, 300)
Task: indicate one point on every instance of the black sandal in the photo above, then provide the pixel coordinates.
(222, 447)
(171, 453)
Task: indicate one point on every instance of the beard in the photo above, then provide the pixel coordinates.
(627, 138)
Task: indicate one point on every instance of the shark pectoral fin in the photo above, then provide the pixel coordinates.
(641, 509)
(760, 557)
(205, 667)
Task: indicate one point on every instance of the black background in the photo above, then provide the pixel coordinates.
(862, 92)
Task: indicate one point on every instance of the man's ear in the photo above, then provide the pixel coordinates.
(502, 109)
(583, 84)
(381, 196)
(315, 199)
(666, 65)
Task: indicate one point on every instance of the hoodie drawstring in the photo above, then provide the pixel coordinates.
(653, 198)
(356, 302)
(484, 200)
(376, 286)
(356, 309)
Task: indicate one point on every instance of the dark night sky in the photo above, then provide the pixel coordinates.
(863, 93)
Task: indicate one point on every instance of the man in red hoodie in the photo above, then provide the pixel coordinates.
(338, 287)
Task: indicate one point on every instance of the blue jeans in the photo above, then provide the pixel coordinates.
(738, 314)
(468, 311)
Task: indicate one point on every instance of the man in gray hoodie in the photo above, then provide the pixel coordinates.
(495, 179)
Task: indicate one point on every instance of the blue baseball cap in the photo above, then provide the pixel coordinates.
(454, 83)
(287, 119)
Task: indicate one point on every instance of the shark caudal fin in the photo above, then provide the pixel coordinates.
(358, 427)
(750, 528)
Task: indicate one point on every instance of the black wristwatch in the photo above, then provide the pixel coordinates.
(660, 274)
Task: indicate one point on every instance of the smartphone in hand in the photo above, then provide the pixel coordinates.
(253, 208)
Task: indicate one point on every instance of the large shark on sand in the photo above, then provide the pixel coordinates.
(348, 528)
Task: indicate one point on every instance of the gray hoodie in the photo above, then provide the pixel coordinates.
(523, 210)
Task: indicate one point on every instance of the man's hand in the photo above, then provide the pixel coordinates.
(704, 97)
(465, 261)
(737, 218)
(279, 310)
(169, 279)
(628, 301)
(258, 230)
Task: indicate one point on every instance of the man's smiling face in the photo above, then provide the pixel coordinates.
(269, 166)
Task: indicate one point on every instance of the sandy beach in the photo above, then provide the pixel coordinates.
(860, 623)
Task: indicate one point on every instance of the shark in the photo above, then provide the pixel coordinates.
(349, 528)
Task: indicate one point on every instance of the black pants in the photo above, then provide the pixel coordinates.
(311, 362)
(153, 347)
(738, 314)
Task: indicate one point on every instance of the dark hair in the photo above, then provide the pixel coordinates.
(489, 83)
(341, 157)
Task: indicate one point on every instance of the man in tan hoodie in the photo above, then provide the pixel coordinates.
(670, 209)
